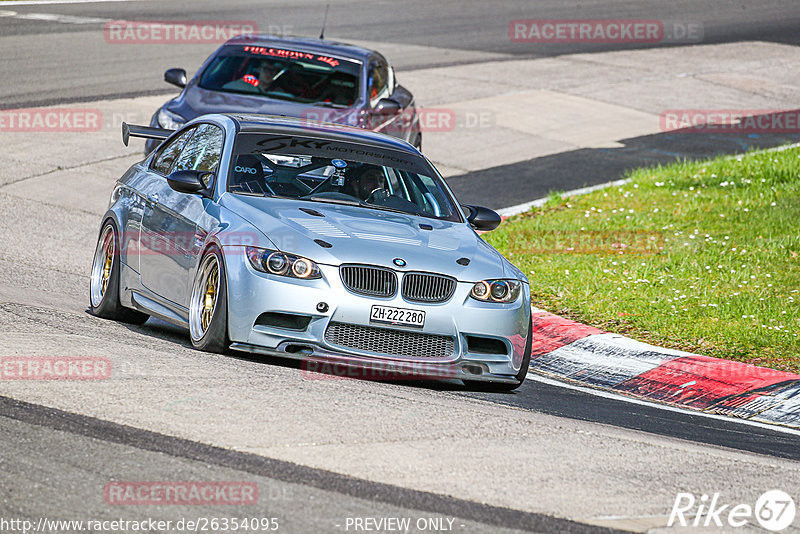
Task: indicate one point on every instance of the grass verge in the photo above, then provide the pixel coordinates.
(701, 256)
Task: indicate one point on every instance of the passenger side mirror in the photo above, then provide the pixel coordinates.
(175, 77)
(483, 219)
(188, 181)
(387, 106)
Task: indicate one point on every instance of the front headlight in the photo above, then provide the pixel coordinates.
(169, 120)
(496, 290)
(282, 264)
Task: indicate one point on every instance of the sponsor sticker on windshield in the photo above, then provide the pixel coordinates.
(289, 54)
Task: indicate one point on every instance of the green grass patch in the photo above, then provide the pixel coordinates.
(701, 256)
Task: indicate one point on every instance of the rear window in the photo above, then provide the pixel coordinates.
(283, 74)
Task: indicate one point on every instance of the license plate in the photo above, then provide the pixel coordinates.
(390, 315)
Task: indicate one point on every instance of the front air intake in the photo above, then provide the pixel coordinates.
(390, 342)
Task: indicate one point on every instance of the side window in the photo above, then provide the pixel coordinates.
(203, 151)
(378, 81)
(166, 156)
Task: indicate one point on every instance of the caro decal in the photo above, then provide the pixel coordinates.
(246, 170)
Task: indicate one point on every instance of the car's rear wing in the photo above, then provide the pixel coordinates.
(148, 132)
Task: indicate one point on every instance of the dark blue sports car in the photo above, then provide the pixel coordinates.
(297, 77)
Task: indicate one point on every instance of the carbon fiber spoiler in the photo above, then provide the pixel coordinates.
(148, 132)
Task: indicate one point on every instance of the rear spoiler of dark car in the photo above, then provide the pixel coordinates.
(148, 132)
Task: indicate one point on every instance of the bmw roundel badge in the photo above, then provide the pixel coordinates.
(400, 262)
(339, 163)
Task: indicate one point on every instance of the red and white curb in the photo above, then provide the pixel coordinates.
(579, 353)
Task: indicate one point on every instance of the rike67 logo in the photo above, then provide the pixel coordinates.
(774, 511)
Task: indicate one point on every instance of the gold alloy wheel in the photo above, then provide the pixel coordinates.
(103, 265)
(205, 296)
(210, 296)
(108, 247)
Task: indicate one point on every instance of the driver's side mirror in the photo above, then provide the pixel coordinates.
(175, 77)
(387, 106)
(483, 219)
(188, 181)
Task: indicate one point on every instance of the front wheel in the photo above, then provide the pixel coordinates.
(208, 308)
(104, 280)
(520, 377)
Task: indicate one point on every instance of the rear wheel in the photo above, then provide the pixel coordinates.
(208, 308)
(520, 377)
(104, 280)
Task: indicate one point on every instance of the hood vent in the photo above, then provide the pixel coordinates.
(313, 212)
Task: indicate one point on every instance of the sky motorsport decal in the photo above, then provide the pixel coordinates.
(290, 145)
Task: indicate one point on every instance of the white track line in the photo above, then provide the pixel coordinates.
(539, 202)
(44, 2)
(63, 19)
(624, 398)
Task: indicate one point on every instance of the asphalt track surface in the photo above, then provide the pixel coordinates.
(447, 32)
(99, 70)
(57, 442)
(65, 437)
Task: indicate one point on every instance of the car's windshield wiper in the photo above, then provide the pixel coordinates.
(362, 204)
(263, 195)
(316, 198)
(328, 105)
(394, 210)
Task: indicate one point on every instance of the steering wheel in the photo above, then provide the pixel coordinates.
(379, 194)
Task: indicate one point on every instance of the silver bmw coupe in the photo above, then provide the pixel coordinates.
(325, 243)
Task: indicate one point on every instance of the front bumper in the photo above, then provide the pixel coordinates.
(252, 293)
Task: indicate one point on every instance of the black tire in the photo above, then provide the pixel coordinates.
(104, 280)
(210, 335)
(523, 370)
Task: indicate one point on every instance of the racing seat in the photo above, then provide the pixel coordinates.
(248, 175)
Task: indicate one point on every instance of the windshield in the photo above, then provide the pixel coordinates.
(284, 75)
(358, 181)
